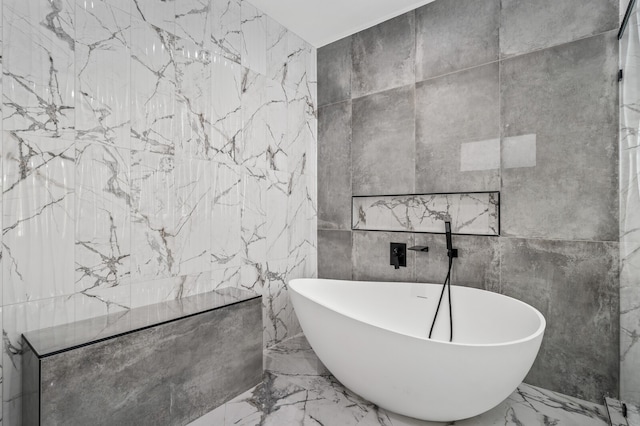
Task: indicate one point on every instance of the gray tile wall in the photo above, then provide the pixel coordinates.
(398, 103)
(383, 144)
(451, 110)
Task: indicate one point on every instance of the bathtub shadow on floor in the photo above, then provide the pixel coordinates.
(298, 390)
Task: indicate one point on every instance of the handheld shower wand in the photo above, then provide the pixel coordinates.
(451, 253)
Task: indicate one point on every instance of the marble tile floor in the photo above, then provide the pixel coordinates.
(633, 415)
(617, 413)
(298, 390)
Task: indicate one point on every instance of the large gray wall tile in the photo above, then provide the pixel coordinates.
(334, 72)
(452, 110)
(334, 254)
(383, 149)
(477, 264)
(384, 56)
(567, 97)
(531, 25)
(453, 35)
(576, 83)
(371, 256)
(575, 285)
(334, 166)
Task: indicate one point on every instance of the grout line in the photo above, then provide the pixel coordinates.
(457, 71)
(333, 103)
(506, 58)
(500, 59)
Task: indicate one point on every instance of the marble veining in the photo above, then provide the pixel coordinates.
(167, 227)
(193, 21)
(151, 152)
(279, 319)
(102, 248)
(226, 111)
(160, 14)
(277, 66)
(153, 88)
(472, 213)
(254, 38)
(103, 60)
(193, 97)
(38, 88)
(226, 34)
(277, 150)
(622, 413)
(297, 389)
(616, 415)
(633, 415)
(254, 128)
(277, 230)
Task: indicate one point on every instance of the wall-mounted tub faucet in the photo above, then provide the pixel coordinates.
(398, 252)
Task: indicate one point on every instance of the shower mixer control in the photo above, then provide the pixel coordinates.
(398, 254)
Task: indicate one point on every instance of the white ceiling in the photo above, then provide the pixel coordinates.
(321, 22)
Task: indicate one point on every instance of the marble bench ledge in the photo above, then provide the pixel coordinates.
(53, 340)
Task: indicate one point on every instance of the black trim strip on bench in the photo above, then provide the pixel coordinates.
(93, 342)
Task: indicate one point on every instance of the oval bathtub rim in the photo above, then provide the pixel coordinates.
(539, 331)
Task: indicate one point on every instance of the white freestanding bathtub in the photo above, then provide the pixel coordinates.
(372, 336)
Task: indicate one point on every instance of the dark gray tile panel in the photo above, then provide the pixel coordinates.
(575, 286)
(334, 254)
(567, 97)
(452, 110)
(383, 148)
(334, 166)
(371, 257)
(384, 56)
(170, 374)
(531, 25)
(334, 72)
(30, 386)
(562, 89)
(454, 35)
(477, 264)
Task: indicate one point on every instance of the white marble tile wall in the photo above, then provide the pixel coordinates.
(151, 150)
(630, 212)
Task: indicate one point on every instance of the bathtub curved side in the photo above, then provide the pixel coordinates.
(420, 378)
